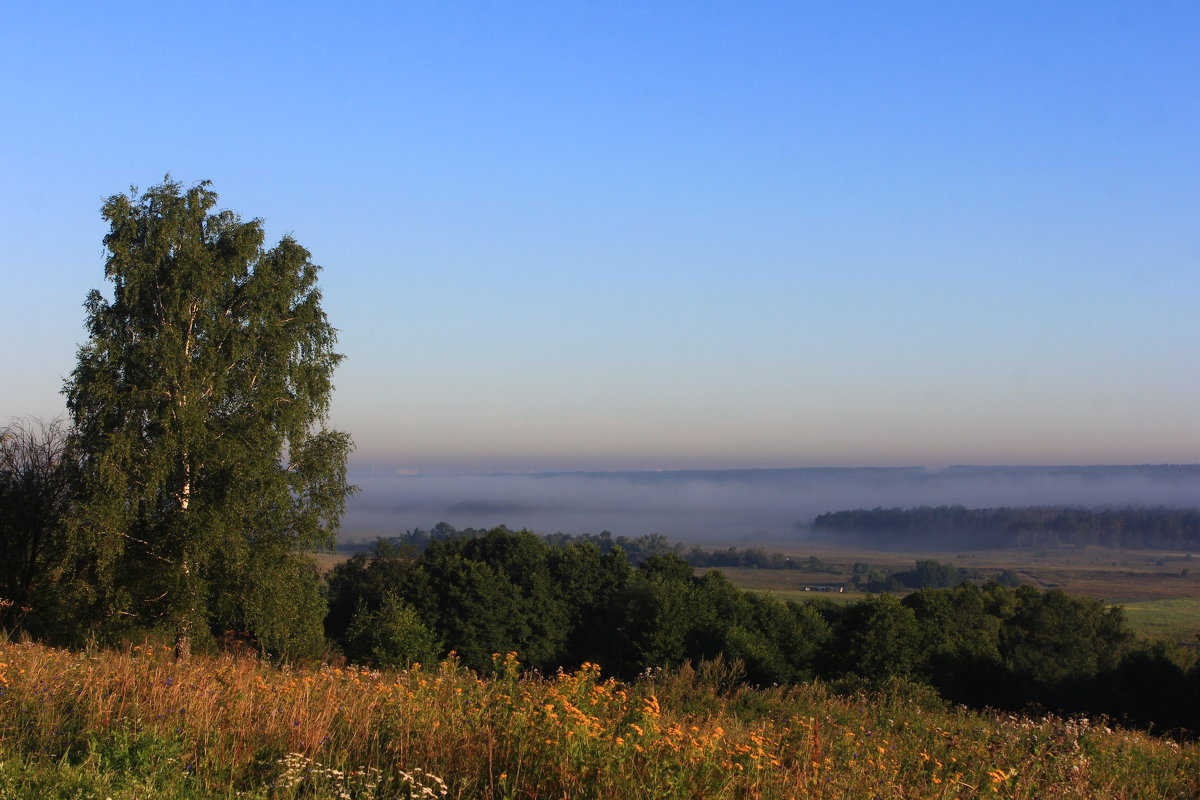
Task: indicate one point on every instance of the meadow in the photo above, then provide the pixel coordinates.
(137, 723)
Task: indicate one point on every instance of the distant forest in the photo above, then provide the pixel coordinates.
(636, 548)
(1155, 528)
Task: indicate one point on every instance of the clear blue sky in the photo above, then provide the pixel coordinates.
(619, 235)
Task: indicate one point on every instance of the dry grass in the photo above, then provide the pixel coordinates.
(223, 727)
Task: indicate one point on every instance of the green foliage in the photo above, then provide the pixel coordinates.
(364, 578)
(929, 573)
(925, 574)
(282, 604)
(493, 594)
(391, 636)
(1051, 637)
(637, 548)
(566, 604)
(198, 405)
(649, 624)
(958, 642)
(877, 638)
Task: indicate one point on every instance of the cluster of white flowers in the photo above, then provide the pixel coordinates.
(364, 783)
(356, 784)
(421, 784)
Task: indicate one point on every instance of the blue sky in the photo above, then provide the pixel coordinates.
(637, 235)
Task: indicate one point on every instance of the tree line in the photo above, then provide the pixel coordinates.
(561, 606)
(925, 574)
(1156, 528)
(636, 548)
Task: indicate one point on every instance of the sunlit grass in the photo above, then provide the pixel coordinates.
(138, 724)
(1175, 618)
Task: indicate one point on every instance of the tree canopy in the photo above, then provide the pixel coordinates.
(199, 405)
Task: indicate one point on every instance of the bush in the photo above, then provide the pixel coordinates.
(392, 636)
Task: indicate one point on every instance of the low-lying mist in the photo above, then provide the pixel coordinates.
(735, 505)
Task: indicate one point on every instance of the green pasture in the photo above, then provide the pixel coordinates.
(1176, 618)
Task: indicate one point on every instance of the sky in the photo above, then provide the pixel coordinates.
(656, 235)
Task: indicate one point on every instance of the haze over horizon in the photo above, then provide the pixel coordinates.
(732, 505)
(592, 237)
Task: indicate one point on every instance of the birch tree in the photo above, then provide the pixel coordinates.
(199, 406)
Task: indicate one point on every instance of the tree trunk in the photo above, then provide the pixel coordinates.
(183, 642)
(183, 629)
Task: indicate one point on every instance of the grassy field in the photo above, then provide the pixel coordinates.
(1176, 618)
(137, 724)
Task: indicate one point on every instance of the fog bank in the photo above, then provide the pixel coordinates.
(698, 505)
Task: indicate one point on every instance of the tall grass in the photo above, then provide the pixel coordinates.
(137, 724)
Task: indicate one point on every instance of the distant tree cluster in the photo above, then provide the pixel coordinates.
(925, 574)
(559, 606)
(1159, 528)
(636, 548)
(753, 557)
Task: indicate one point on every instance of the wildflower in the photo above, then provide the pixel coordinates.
(1000, 776)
